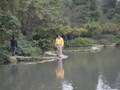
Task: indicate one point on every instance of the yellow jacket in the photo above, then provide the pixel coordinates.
(59, 42)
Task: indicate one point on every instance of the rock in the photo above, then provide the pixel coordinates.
(13, 60)
(94, 48)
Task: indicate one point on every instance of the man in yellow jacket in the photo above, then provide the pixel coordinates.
(59, 43)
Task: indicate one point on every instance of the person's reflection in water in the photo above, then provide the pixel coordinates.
(60, 74)
(60, 70)
(14, 70)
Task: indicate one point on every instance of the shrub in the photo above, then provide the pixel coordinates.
(111, 38)
(46, 44)
(110, 28)
(4, 53)
(79, 42)
(4, 58)
(92, 29)
(104, 41)
(25, 47)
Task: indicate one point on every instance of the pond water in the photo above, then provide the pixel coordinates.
(81, 71)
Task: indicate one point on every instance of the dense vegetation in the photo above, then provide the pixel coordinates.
(36, 23)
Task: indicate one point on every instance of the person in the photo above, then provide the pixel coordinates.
(59, 43)
(14, 45)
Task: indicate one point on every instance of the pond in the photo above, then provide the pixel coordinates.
(81, 71)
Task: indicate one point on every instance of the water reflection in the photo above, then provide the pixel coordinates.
(14, 70)
(66, 85)
(103, 84)
(60, 70)
(81, 71)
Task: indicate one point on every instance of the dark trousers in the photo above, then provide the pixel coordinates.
(13, 51)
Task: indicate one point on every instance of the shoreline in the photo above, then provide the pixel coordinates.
(50, 56)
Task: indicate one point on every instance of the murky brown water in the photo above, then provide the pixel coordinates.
(81, 71)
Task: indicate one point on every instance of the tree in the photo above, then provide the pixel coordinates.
(36, 15)
(117, 14)
(9, 25)
(9, 5)
(83, 11)
(108, 8)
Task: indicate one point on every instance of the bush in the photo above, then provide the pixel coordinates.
(6, 47)
(104, 42)
(111, 38)
(4, 58)
(5, 53)
(110, 28)
(46, 44)
(25, 47)
(79, 42)
(92, 29)
(9, 25)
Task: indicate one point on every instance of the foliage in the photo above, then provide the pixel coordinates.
(117, 14)
(77, 31)
(4, 58)
(83, 11)
(9, 5)
(108, 4)
(110, 28)
(35, 13)
(92, 29)
(4, 53)
(25, 48)
(9, 25)
(46, 44)
(117, 18)
(77, 42)
(111, 38)
(104, 42)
